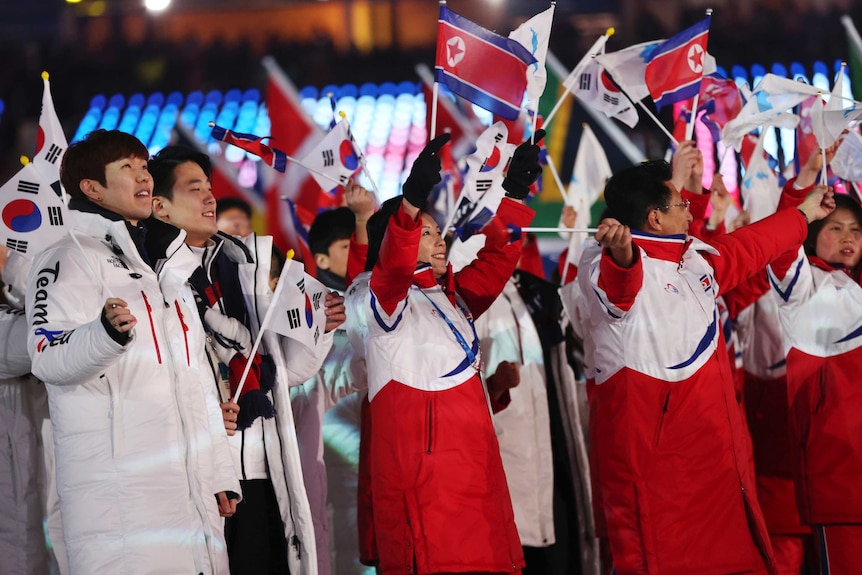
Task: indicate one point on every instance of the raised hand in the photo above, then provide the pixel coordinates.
(425, 173)
(524, 169)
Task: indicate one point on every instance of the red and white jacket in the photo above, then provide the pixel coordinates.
(821, 314)
(675, 483)
(440, 499)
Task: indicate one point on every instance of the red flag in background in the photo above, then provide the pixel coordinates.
(294, 133)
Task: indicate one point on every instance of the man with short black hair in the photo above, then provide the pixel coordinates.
(142, 462)
(678, 494)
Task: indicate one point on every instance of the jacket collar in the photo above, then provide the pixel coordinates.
(152, 241)
(669, 248)
(423, 277)
(830, 267)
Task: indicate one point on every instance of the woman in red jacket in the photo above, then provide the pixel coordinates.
(820, 303)
(439, 496)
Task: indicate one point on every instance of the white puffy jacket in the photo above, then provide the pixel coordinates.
(22, 409)
(140, 443)
(276, 438)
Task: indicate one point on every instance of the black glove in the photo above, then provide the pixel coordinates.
(524, 169)
(425, 173)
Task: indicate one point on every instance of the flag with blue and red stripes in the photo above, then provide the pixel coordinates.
(481, 66)
(253, 145)
(676, 67)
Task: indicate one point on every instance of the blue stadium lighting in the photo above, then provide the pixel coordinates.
(757, 73)
(821, 75)
(740, 76)
(797, 72)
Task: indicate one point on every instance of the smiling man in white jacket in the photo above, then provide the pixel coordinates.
(142, 462)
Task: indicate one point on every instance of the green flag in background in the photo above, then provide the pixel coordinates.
(854, 56)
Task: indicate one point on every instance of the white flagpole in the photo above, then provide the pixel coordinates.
(822, 149)
(556, 175)
(659, 124)
(569, 251)
(267, 318)
(547, 230)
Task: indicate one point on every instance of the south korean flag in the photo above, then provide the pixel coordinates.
(33, 216)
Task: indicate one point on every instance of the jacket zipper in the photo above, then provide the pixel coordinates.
(185, 331)
(152, 326)
(821, 383)
(430, 424)
(661, 418)
(14, 463)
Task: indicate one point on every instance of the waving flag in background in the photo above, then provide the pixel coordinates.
(594, 87)
(760, 190)
(295, 133)
(480, 66)
(768, 105)
(335, 157)
(534, 35)
(276, 159)
(830, 119)
(589, 176)
(720, 102)
(33, 216)
(675, 68)
(51, 142)
(628, 68)
(296, 236)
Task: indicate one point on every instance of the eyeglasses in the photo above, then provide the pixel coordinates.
(683, 204)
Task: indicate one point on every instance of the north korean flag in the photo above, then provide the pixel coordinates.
(675, 68)
(483, 67)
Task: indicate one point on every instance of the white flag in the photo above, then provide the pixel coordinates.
(768, 105)
(628, 68)
(589, 177)
(33, 216)
(51, 142)
(760, 190)
(594, 87)
(847, 163)
(298, 304)
(534, 35)
(830, 120)
(336, 156)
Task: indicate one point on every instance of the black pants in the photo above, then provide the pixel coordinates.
(255, 534)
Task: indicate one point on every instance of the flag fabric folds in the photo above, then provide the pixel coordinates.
(589, 176)
(595, 88)
(847, 163)
(274, 158)
(760, 190)
(299, 306)
(294, 132)
(335, 158)
(675, 68)
(829, 120)
(51, 142)
(480, 66)
(534, 35)
(33, 216)
(628, 68)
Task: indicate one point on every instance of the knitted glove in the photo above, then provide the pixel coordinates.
(425, 173)
(524, 169)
